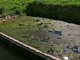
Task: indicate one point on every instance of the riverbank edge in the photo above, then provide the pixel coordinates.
(21, 47)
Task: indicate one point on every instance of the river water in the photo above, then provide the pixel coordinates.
(6, 53)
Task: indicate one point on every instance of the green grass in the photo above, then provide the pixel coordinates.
(60, 1)
(11, 7)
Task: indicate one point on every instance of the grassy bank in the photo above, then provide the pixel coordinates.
(10, 7)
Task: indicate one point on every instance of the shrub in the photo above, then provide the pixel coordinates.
(69, 13)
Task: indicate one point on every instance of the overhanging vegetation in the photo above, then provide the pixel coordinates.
(69, 13)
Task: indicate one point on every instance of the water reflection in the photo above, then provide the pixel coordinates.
(75, 49)
(58, 32)
(25, 36)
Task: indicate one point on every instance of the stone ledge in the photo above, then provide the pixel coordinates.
(25, 47)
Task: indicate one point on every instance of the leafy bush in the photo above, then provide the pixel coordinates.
(69, 13)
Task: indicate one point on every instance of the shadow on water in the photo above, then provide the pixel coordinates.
(26, 37)
(50, 51)
(50, 31)
(45, 39)
(67, 47)
(58, 32)
(75, 49)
